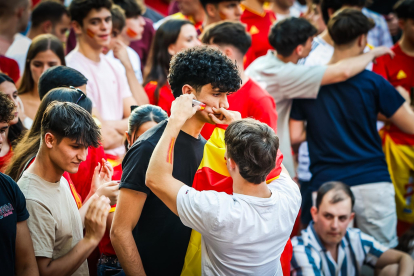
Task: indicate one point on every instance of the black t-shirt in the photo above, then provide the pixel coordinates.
(12, 210)
(161, 238)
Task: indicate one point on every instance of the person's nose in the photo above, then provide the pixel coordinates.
(83, 154)
(335, 223)
(224, 103)
(239, 10)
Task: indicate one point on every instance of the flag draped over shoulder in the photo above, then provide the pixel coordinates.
(399, 153)
(212, 174)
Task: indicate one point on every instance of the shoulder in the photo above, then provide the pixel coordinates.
(8, 185)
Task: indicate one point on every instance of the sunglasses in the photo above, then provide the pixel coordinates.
(82, 96)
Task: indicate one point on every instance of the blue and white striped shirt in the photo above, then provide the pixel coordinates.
(356, 248)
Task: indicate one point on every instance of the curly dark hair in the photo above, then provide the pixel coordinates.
(6, 108)
(253, 146)
(202, 65)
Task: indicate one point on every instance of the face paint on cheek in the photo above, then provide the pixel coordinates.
(202, 105)
(90, 33)
(131, 33)
(222, 16)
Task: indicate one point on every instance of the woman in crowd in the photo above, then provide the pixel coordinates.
(27, 148)
(45, 51)
(16, 127)
(141, 119)
(171, 37)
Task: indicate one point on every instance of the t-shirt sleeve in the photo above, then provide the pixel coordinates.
(20, 205)
(134, 167)
(288, 191)
(198, 210)
(297, 111)
(42, 229)
(373, 249)
(389, 98)
(300, 81)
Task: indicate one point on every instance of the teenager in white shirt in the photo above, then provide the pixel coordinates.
(244, 233)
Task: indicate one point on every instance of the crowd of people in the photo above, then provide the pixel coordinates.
(207, 137)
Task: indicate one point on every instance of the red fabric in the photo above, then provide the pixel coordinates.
(160, 6)
(165, 98)
(4, 160)
(286, 257)
(82, 180)
(258, 25)
(143, 46)
(105, 245)
(10, 67)
(399, 71)
(251, 101)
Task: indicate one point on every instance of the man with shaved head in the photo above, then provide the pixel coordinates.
(329, 247)
(14, 16)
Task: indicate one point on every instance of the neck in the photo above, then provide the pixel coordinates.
(292, 58)
(88, 51)
(278, 9)
(340, 54)
(242, 186)
(199, 15)
(406, 46)
(325, 36)
(124, 40)
(45, 168)
(333, 249)
(208, 21)
(254, 5)
(32, 33)
(243, 76)
(193, 127)
(7, 30)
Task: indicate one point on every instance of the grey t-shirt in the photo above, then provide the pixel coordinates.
(55, 223)
(285, 82)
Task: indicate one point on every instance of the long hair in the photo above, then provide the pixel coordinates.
(159, 58)
(145, 113)
(29, 145)
(16, 130)
(41, 43)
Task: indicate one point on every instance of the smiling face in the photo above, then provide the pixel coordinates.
(10, 90)
(66, 154)
(96, 29)
(41, 62)
(332, 219)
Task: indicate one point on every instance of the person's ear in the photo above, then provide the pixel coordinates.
(211, 10)
(187, 89)
(49, 140)
(352, 216)
(299, 49)
(231, 163)
(171, 49)
(47, 27)
(229, 53)
(401, 23)
(330, 12)
(76, 27)
(314, 212)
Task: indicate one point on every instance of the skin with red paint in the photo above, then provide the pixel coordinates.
(170, 151)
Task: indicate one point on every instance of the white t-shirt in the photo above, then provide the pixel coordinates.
(18, 50)
(135, 62)
(285, 82)
(241, 235)
(107, 87)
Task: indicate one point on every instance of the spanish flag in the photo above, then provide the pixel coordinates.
(399, 153)
(212, 174)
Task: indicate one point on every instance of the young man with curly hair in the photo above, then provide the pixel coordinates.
(148, 238)
(16, 247)
(244, 233)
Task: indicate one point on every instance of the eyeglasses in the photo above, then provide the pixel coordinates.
(82, 96)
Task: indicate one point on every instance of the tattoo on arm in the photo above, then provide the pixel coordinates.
(171, 151)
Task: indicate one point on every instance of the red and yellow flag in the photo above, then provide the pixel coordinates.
(212, 174)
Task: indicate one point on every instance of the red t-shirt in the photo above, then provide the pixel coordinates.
(82, 180)
(10, 67)
(251, 101)
(258, 25)
(165, 97)
(399, 71)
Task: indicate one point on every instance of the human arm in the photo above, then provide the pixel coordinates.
(391, 256)
(297, 131)
(25, 257)
(403, 118)
(95, 221)
(127, 214)
(120, 52)
(111, 138)
(349, 67)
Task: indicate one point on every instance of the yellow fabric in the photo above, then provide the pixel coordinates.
(192, 262)
(213, 155)
(400, 160)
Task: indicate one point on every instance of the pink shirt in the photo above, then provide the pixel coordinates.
(107, 86)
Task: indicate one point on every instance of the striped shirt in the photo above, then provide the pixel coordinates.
(355, 249)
